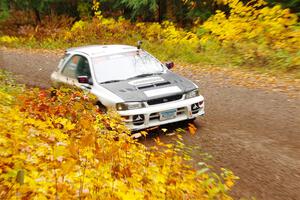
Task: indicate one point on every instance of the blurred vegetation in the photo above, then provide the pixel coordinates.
(252, 34)
(179, 11)
(53, 151)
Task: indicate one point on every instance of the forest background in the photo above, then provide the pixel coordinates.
(259, 35)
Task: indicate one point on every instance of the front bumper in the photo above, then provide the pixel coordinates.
(151, 114)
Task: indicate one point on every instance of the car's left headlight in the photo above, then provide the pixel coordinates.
(191, 94)
(129, 105)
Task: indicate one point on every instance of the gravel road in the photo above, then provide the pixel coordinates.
(253, 132)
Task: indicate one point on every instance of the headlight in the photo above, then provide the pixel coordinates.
(192, 94)
(130, 105)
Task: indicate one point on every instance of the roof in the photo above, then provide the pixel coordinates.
(101, 50)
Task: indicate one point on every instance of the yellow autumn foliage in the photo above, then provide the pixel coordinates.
(255, 30)
(54, 144)
(250, 34)
(271, 26)
(8, 39)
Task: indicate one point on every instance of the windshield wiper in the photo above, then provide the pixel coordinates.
(144, 75)
(111, 81)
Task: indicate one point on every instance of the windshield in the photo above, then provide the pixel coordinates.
(124, 66)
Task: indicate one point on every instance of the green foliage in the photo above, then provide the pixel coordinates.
(294, 5)
(54, 144)
(38, 9)
(145, 8)
(4, 9)
(84, 9)
(184, 12)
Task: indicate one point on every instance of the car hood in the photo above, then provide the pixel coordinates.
(150, 87)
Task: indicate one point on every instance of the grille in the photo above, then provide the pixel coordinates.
(164, 99)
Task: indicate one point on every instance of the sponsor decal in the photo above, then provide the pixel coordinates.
(138, 118)
(195, 106)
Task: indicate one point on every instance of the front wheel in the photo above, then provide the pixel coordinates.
(101, 107)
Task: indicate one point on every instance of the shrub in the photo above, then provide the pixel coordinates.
(54, 144)
(257, 32)
(8, 39)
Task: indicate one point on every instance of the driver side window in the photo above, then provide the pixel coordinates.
(77, 66)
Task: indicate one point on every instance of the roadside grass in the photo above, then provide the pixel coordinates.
(278, 66)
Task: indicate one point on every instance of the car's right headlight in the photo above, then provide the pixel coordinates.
(192, 94)
(129, 105)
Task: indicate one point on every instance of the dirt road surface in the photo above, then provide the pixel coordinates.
(253, 132)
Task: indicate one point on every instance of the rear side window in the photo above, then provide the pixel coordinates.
(77, 66)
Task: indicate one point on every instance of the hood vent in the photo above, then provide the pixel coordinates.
(163, 83)
(153, 85)
(145, 86)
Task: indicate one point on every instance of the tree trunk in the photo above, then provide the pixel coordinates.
(37, 16)
(161, 10)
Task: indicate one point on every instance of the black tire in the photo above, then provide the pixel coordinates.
(101, 107)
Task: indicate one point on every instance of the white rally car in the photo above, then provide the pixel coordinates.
(142, 89)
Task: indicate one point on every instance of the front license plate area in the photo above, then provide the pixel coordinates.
(170, 114)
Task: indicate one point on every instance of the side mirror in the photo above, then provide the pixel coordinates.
(84, 80)
(170, 65)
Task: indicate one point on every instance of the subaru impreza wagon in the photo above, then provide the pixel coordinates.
(144, 91)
